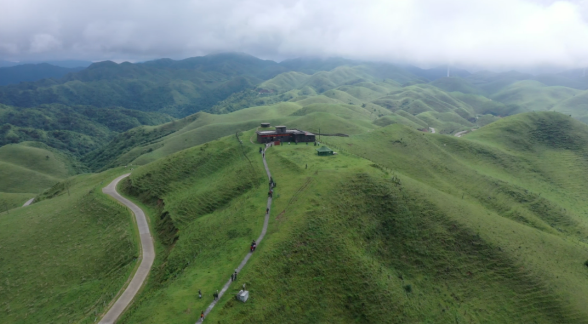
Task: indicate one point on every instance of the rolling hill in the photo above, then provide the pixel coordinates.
(533, 95)
(400, 226)
(28, 168)
(64, 258)
(484, 228)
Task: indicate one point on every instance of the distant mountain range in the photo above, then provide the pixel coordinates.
(33, 72)
(62, 63)
(156, 91)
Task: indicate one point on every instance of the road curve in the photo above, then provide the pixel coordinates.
(263, 231)
(148, 255)
(460, 134)
(30, 201)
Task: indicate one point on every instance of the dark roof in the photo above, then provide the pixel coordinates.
(288, 131)
(324, 149)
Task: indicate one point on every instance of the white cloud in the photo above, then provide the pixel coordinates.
(491, 33)
(43, 43)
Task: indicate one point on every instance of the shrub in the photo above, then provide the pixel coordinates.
(408, 288)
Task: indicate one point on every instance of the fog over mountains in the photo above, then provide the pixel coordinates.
(485, 34)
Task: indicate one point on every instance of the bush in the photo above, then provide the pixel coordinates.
(408, 288)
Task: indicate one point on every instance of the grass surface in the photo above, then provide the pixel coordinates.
(485, 228)
(64, 259)
(31, 167)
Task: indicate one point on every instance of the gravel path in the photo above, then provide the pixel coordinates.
(242, 264)
(432, 130)
(30, 201)
(148, 255)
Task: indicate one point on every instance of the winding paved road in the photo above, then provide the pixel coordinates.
(263, 231)
(148, 255)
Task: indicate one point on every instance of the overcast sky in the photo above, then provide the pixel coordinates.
(492, 33)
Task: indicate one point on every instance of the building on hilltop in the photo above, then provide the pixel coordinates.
(282, 134)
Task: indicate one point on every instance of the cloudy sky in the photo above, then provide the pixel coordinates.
(493, 33)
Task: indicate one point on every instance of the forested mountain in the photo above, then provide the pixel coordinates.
(32, 72)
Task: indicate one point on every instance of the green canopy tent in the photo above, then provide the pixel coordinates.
(323, 150)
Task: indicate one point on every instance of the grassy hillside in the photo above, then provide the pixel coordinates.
(63, 259)
(576, 106)
(485, 228)
(533, 95)
(147, 144)
(28, 168)
(31, 167)
(455, 84)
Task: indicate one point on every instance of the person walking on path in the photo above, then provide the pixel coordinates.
(202, 316)
(199, 294)
(235, 275)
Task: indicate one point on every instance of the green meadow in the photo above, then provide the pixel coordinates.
(63, 259)
(399, 226)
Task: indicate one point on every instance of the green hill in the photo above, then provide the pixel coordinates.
(491, 82)
(400, 226)
(64, 259)
(485, 228)
(144, 145)
(576, 106)
(28, 168)
(533, 95)
(455, 84)
(76, 130)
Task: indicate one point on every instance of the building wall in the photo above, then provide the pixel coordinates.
(301, 138)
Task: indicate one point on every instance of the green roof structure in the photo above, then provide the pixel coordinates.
(323, 150)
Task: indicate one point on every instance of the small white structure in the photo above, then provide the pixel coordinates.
(243, 295)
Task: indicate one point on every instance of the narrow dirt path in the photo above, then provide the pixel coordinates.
(432, 130)
(263, 231)
(148, 255)
(30, 201)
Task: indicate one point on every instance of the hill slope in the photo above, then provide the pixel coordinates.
(64, 259)
(462, 234)
(28, 168)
